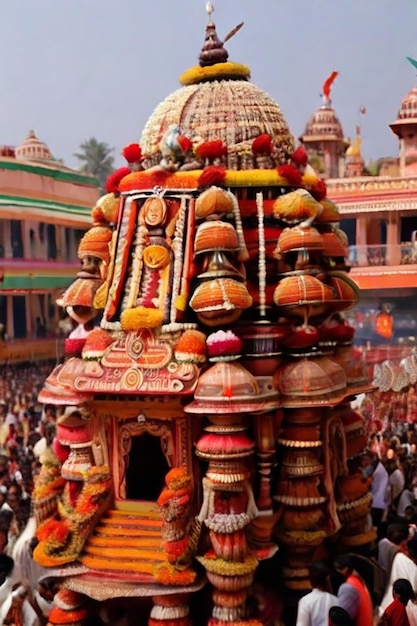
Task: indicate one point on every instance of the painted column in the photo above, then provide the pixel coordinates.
(402, 157)
(361, 241)
(393, 254)
(10, 321)
(7, 240)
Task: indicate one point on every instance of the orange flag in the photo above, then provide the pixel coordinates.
(327, 85)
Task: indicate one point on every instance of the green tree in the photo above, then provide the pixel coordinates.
(97, 159)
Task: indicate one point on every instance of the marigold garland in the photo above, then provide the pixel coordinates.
(176, 548)
(180, 496)
(178, 477)
(167, 574)
(141, 317)
(46, 490)
(214, 564)
(147, 180)
(181, 302)
(220, 71)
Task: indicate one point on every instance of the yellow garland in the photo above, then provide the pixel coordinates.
(141, 317)
(234, 178)
(218, 71)
(229, 568)
(181, 302)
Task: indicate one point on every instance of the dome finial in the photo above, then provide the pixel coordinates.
(210, 10)
(213, 51)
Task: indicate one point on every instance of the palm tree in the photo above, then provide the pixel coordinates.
(97, 159)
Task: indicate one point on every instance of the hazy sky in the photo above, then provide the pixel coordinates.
(73, 69)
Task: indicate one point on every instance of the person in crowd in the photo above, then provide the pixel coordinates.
(374, 468)
(339, 617)
(15, 607)
(404, 566)
(313, 608)
(396, 613)
(397, 535)
(353, 594)
(396, 482)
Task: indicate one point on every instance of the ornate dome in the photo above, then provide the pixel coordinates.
(217, 102)
(33, 149)
(324, 124)
(407, 113)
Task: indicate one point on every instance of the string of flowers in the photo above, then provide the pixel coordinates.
(262, 252)
(177, 246)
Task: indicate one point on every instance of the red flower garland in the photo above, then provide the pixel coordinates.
(292, 175)
(212, 175)
(211, 150)
(113, 181)
(262, 145)
(132, 153)
(300, 157)
(185, 143)
(319, 190)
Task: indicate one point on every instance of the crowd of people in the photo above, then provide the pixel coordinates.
(379, 587)
(26, 430)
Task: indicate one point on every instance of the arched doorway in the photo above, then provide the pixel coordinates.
(145, 455)
(146, 467)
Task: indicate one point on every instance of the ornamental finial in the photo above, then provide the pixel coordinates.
(210, 10)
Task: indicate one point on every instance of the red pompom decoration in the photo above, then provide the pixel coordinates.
(132, 153)
(300, 156)
(61, 452)
(291, 174)
(211, 150)
(319, 190)
(113, 181)
(186, 144)
(212, 175)
(262, 145)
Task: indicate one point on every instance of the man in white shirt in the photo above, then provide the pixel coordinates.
(396, 482)
(372, 466)
(313, 608)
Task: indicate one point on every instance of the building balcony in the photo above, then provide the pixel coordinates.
(383, 255)
(22, 275)
(29, 350)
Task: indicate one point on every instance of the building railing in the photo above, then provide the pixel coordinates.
(22, 350)
(371, 256)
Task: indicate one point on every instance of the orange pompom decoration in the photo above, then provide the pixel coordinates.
(300, 156)
(319, 190)
(97, 215)
(291, 174)
(212, 175)
(113, 181)
(186, 144)
(262, 145)
(211, 150)
(132, 153)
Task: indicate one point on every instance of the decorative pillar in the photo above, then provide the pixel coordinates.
(8, 252)
(68, 609)
(168, 608)
(393, 254)
(10, 318)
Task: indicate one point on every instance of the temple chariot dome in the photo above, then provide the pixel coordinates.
(323, 136)
(218, 102)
